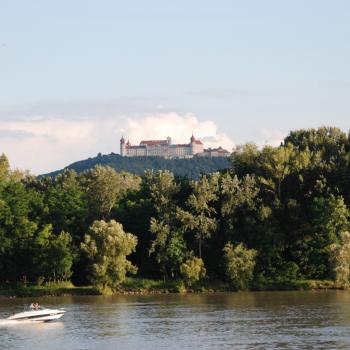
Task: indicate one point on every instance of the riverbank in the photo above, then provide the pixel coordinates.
(148, 286)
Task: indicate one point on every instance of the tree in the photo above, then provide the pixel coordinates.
(107, 246)
(18, 227)
(237, 192)
(67, 209)
(330, 216)
(277, 165)
(61, 256)
(161, 188)
(53, 256)
(239, 203)
(244, 159)
(340, 259)
(192, 270)
(240, 263)
(168, 244)
(105, 187)
(4, 168)
(200, 218)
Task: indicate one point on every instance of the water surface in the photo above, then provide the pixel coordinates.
(262, 320)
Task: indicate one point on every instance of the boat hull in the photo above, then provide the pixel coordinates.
(44, 315)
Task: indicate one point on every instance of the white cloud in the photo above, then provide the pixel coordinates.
(272, 137)
(44, 144)
(59, 130)
(178, 127)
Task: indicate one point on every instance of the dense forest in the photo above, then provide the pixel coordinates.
(276, 213)
(191, 168)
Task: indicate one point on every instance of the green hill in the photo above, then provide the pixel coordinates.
(191, 168)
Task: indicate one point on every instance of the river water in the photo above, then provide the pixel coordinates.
(262, 320)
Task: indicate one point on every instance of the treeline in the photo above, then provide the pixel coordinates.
(277, 214)
(191, 168)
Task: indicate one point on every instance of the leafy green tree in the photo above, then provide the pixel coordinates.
(168, 244)
(330, 216)
(53, 255)
(162, 188)
(18, 227)
(327, 140)
(4, 168)
(277, 165)
(107, 246)
(192, 270)
(66, 207)
(340, 259)
(61, 256)
(134, 212)
(236, 193)
(244, 159)
(200, 218)
(240, 204)
(105, 187)
(240, 263)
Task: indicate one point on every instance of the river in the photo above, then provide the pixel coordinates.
(262, 320)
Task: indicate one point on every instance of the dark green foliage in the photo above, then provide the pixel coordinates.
(107, 246)
(288, 206)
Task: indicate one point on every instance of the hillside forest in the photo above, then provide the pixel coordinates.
(192, 168)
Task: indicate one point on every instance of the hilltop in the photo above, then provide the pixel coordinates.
(191, 168)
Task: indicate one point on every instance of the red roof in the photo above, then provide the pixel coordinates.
(198, 142)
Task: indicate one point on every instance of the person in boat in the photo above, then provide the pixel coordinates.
(34, 306)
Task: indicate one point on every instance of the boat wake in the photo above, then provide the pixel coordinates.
(5, 322)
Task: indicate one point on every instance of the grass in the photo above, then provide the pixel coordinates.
(144, 285)
(273, 285)
(49, 289)
(137, 285)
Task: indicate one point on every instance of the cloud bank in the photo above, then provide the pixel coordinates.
(178, 127)
(44, 144)
(273, 137)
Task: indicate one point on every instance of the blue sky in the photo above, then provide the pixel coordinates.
(75, 75)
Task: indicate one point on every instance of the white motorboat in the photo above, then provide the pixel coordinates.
(38, 314)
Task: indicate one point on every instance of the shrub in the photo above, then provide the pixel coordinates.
(192, 270)
(240, 263)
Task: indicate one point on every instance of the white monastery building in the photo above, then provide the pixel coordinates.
(164, 148)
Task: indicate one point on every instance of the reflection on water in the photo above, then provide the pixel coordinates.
(273, 320)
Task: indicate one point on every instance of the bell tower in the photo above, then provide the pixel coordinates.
(122, 147)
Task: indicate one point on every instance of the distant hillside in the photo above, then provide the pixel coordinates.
(191, 168)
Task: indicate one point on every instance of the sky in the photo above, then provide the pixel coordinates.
(77, 75)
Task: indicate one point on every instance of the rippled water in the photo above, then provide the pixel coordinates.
(273, 320)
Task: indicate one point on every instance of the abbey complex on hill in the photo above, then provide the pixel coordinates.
(166, 149)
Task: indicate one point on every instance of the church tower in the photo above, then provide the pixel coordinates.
(192, 144)
(122, 147)
(196, 146)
